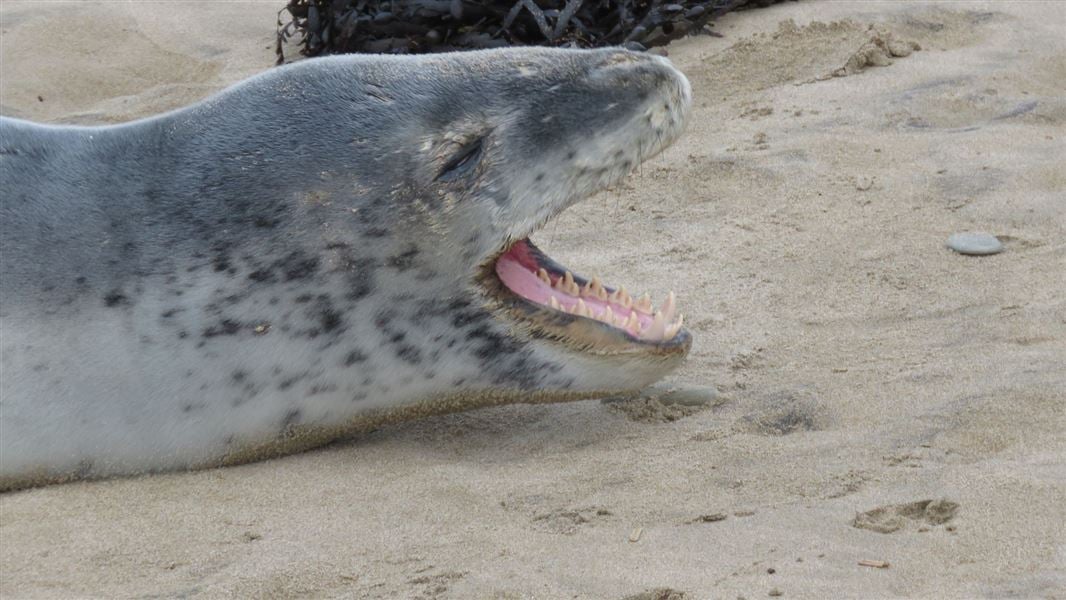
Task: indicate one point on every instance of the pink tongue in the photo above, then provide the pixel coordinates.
(520, 280)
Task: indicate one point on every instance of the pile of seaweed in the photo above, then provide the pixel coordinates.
(416, 26)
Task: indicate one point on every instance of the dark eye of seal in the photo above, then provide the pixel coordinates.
(462, 163)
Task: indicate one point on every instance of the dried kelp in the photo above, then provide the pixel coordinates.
(416, 26)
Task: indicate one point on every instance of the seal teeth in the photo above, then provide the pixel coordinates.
(594, 289)
(669, 307)
(552, 302)
(566, 284)
(581, 309)
(542, 274)
(644, 304)
(656, 330)
(607, 316)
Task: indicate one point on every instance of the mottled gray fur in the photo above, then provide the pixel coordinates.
(296, 250)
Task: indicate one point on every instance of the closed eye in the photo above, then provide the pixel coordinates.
(462, 162)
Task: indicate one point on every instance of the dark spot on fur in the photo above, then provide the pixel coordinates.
(116, 298)
(354, 357)
(223, 327)
(239, 375)
(330, 320)
(409, 354)
(221, 263)
(464, 318)
(405, 260)
(80, 280)
(303, 298)
(170, 312)
(298, 266)
(323, 388)
(261, 275)
(288, 382)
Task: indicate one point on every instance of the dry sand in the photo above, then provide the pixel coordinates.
(863, 367)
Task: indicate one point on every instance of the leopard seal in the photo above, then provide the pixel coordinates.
(316, 250)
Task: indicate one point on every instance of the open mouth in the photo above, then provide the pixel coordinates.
(560, 303)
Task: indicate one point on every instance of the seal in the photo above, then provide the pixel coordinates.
(234, 280)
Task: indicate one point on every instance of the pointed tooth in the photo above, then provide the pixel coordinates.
(669, 307)
(607, 316)
(644, 304)
(632, 324)
(595, 286)
(552, 302)
(568, 281)
(593, 289)
(581, 309)
(543, 276)
(656, 330)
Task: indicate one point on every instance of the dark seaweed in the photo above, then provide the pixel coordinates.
(419, 26)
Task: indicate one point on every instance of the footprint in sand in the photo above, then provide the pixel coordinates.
(896, 517)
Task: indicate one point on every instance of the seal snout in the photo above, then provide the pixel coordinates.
(625, 68)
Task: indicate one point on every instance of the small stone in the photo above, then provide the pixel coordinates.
(634, 536)
(771, 571)
(975, 243)
(863, 182)
(775, 592)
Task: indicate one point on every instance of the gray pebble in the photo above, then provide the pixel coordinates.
(974, 243)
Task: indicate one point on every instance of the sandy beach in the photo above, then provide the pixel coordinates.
(881, 397)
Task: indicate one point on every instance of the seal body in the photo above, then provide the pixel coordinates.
(307, 253)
